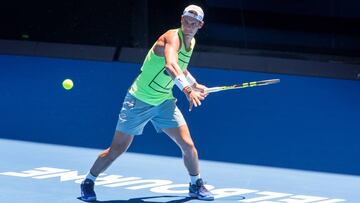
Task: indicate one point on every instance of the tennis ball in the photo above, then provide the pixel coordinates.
(68, 84)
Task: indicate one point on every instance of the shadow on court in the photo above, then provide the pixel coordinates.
(142, 200)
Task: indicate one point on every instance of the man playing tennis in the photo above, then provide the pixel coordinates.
(150, 98)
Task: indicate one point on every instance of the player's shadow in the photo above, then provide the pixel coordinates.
(141, 200)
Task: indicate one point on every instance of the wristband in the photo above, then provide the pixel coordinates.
(181, 82)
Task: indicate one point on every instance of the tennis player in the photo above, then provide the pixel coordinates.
(150, 98)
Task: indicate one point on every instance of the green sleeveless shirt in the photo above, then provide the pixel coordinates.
(154, 85)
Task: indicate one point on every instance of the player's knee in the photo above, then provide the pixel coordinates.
(189, 149)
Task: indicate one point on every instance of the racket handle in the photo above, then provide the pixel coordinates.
(213, 89)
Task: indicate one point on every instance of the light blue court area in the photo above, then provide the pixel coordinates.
(32, 172)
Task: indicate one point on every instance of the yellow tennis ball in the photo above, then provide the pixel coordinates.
(68, 84)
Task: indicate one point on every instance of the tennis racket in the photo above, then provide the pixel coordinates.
(243, 85)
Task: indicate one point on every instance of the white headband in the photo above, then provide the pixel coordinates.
(193, 15)
(199, 12)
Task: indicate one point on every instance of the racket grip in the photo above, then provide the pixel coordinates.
(213, 89)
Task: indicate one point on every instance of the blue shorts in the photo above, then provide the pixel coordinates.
(135, 114)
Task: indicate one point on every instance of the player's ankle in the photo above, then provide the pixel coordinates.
(90, 176)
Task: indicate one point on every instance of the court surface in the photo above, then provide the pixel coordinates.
(33, 172)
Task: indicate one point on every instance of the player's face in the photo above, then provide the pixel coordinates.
(190, 25)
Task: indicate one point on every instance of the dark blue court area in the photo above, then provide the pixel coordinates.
(296, 141)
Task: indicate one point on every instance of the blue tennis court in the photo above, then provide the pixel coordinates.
(52, 173)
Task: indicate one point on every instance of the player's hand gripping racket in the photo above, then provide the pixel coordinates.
(243, 85)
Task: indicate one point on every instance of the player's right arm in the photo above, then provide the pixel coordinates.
(171, 46)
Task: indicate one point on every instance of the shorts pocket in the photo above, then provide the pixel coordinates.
(129, 102)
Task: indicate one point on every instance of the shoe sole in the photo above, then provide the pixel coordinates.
(201, 198)
(88, 199)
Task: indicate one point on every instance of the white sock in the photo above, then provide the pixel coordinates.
(90, 176)
(193, 179)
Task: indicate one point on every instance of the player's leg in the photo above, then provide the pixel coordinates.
(181, 136)
(119, 145)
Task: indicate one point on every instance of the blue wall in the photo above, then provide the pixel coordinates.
(303, 122)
